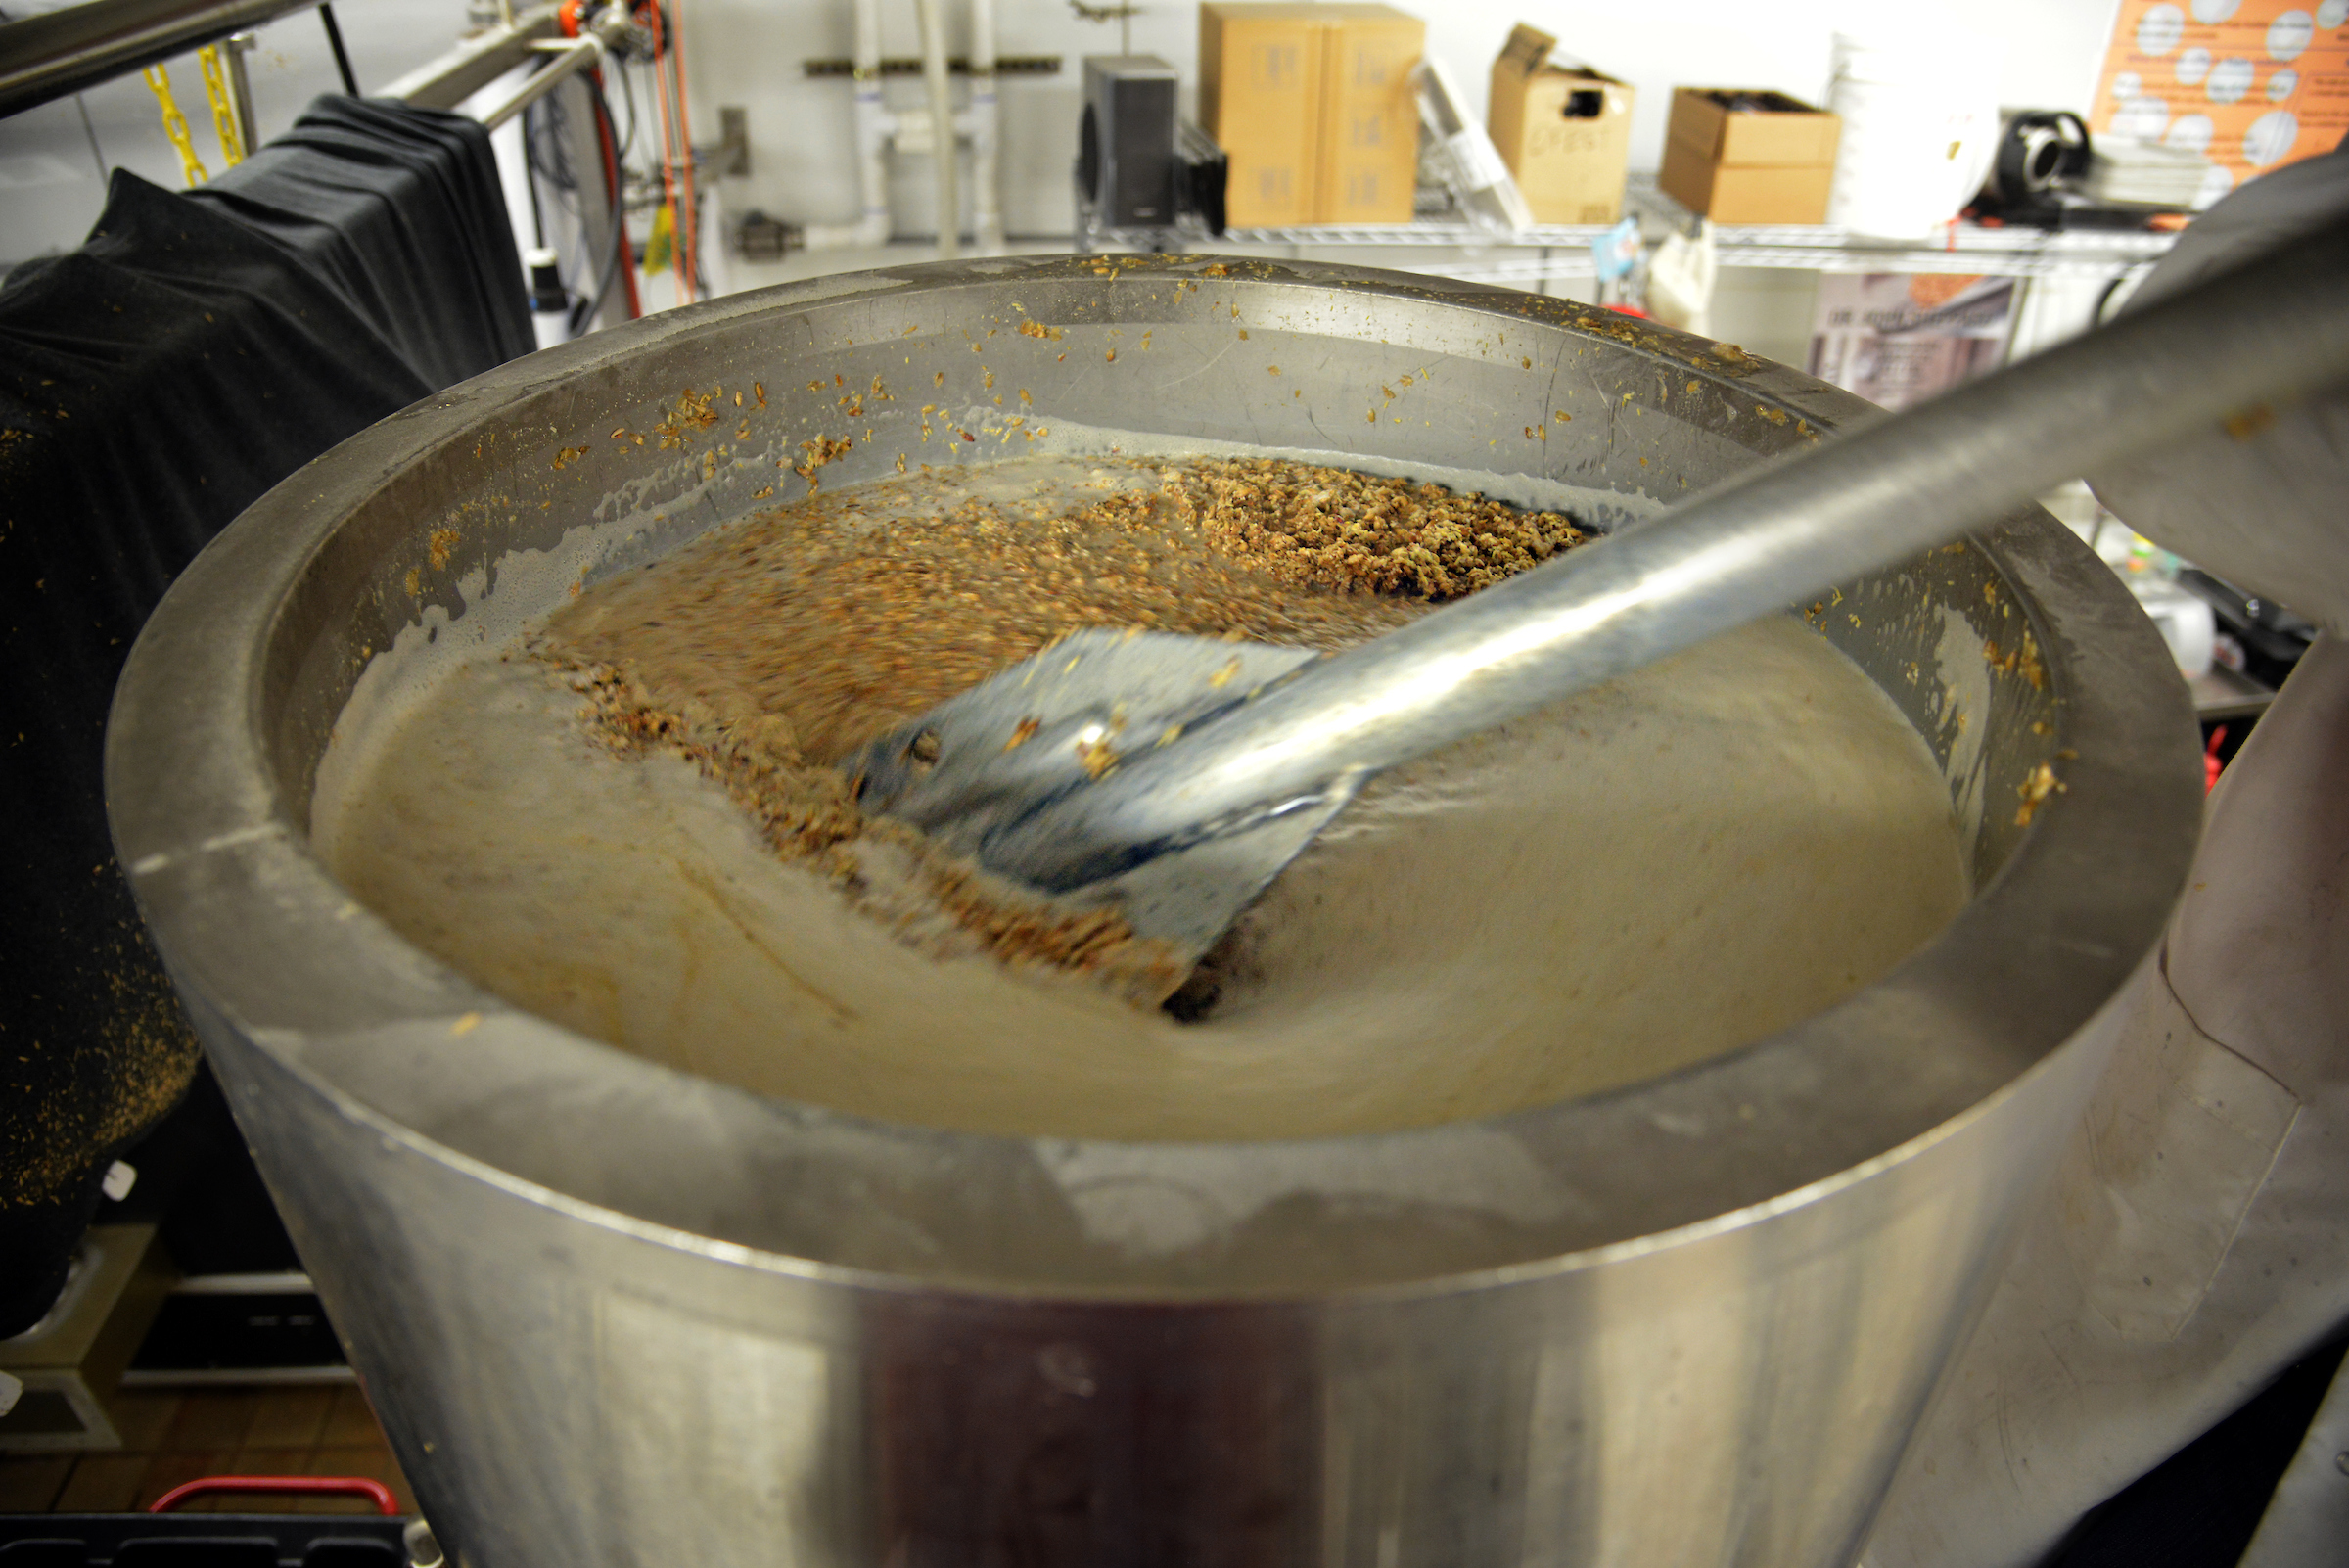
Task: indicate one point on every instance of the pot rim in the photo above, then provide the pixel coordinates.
(265, 946)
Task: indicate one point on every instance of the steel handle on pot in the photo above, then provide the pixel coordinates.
(2221, 353)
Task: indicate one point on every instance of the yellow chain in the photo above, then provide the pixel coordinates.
(175, 125)
(224, 114)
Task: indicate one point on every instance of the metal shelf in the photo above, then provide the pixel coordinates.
(2016, 251)
(2225, 693)
(1467, 236)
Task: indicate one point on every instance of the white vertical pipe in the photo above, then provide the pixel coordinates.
(873, 128)
(987, 199)
(941, 125)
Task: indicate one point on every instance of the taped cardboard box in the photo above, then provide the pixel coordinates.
(1260, 97)
(1370, 138)
(1315, 106)
(1749, 156)
(1565, 131)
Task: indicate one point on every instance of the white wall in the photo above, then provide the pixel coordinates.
(748, 51)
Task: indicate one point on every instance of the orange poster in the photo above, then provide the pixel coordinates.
(2249, 84)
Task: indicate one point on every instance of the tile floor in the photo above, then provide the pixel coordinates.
(169, 1437)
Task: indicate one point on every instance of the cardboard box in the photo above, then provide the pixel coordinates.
(1742, 155)
(1260, 97)
(1565, 131)
(1314, 106)
(1370, 138)
(1792, 192)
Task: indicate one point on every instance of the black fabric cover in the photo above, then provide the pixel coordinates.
(197, 349)
(400, 212)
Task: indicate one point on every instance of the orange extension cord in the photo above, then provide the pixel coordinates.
(692, 231)
(673, 128)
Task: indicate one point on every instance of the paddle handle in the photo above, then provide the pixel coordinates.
(2216, 355)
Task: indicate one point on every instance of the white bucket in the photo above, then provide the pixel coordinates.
(1920, 128)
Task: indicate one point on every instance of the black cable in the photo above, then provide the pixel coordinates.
(627, 92)
(529, 178)
(91, 131)
(548, 155)
(334, 41)
(586, 309)
(546, 152)
(2095, 317)
(534, 151)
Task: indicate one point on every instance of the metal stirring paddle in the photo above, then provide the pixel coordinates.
(1175, 776)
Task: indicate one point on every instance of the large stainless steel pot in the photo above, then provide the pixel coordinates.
(615, 1315)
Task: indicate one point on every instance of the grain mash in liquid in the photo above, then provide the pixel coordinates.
(626, 821)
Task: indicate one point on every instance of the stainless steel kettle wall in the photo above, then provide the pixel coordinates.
(615, 1315)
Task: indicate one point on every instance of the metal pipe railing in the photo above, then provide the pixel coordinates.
(474, 64)
(565, 59)
(63, 52)
(240, 89)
